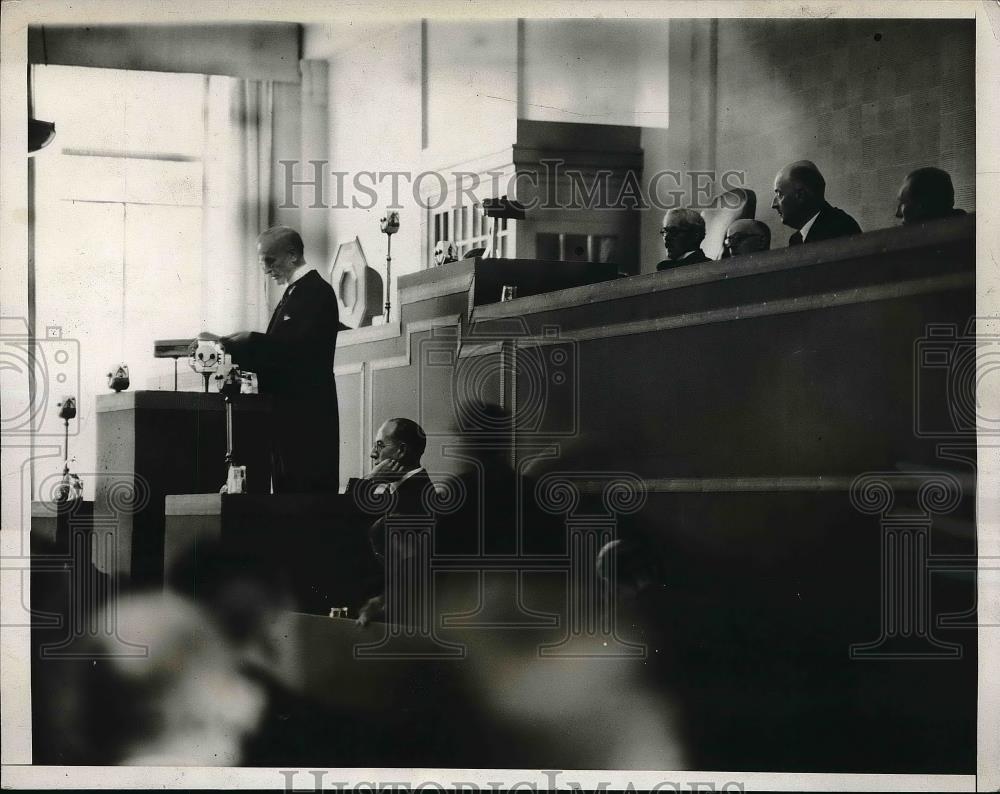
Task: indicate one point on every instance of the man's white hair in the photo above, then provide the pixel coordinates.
(685, 217)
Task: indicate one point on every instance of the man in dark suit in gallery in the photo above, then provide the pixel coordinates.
(396, 453)
(683, 231)
(399, 483)
(925, 195)
(746, 236)
(293, 360)
(800, 200)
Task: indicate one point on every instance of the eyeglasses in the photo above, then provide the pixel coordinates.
(673, 231)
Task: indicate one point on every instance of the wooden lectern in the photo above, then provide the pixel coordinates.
(154, 443)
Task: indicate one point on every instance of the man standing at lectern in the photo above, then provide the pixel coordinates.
(293, 360)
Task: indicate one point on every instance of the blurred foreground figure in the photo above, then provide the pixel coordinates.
(185, 703)
(241, 595)
(191, 676)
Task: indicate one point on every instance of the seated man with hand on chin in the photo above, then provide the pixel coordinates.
(396, 454)
(398, 478)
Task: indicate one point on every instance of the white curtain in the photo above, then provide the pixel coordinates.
(238, 145)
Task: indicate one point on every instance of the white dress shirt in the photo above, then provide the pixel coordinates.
(299, 272)
(804, 231)
(393, 486)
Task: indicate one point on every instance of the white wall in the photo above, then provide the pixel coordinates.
(374, 125)
(471, 90)
(478, 79)
(596, 71)
(604, 71)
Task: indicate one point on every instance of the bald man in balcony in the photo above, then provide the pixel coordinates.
(293, 360)
(926, 195)
(800, 200)
(746, 236)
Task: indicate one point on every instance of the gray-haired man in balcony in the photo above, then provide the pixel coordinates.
(682, 233)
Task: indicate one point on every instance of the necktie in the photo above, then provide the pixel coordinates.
(276, 316)
(795, 239)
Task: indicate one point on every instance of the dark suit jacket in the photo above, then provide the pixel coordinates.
(832, 222)
(694, 259)
(294, 363)
(409, 500)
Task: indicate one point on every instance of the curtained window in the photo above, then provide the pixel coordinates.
(147, 204)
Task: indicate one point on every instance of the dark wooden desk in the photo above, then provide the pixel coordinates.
(319, 542)
(154, 443)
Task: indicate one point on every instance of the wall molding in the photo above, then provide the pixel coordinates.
(368, 333)
(771, 484)
(826, 300)
(459, 282)
(468, 348)
(831, 253)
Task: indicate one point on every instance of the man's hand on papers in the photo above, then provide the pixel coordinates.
(236, 339)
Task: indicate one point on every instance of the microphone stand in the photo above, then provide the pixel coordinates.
(229, 388)
(389, 226)
(388, 276)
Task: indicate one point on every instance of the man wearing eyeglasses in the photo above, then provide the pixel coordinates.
(746, 236)
(398, 479)
(683, 231)
(396, 454)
